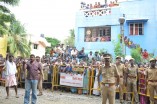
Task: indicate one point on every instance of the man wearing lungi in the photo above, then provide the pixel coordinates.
(10, 79)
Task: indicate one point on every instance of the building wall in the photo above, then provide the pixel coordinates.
(142, 9)
(40, 51)
(3, 46)
(82, 22)
(133, 9)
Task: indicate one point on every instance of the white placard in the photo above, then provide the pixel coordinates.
(74, 80)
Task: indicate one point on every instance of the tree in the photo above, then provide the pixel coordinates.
(53, 42)
(10, 2)
(136, 54)
(17, 41)
(5, 15)
(71, 39)
(118, 47)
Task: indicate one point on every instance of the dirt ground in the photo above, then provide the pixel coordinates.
(49, 97)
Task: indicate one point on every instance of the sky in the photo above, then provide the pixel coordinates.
(53, 18)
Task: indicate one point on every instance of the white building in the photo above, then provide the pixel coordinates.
(38, 45)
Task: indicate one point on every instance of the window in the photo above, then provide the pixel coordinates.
(136, 29)
(98, 34)
(35, 46)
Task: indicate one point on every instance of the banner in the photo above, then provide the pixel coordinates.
(73, 80)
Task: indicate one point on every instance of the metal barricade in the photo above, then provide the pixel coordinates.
(2, 80)
(92, 79)
(76, 70)
(55, 77)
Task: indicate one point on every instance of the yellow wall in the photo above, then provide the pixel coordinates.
(3, 45)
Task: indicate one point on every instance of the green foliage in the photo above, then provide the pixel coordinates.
(6, 16)
(47, 51)
(53, 42)
(103, 51)
(71, 39)
(17, 41)
(4, 9)
(118, 51)
(10, 2)
(136, 54)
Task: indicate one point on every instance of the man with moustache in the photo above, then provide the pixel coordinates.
(10, 78)
(31, 81)
(108, 84)
(131, 72)
(151, 73)
(121, 71)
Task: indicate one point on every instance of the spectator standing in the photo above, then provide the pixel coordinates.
(145, 55)
(10, 79)
(31, 82)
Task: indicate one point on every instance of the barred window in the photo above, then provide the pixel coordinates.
(98, 34)
(35, 46)
(136, 29)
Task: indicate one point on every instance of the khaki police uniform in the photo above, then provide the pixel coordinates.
(40, 81)
(132, 82)
(152, 82)
(108, 87)
(121, 70)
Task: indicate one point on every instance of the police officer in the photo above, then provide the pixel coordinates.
(121, 71)
(41, 77)
(152, 79)
(132, 71)
(108, 84)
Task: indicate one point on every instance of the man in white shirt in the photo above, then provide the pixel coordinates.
(74, 52)
(90, 56)
(10, 79)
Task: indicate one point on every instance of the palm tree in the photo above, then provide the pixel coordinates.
(71, 39)
(5, 15)
(10, 2)
(17, 40)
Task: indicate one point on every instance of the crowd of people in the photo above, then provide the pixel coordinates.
(94, 38)
(107, 74)
(98, 5)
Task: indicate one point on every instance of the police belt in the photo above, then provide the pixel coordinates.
(131, 76)
(120, 76)
(152, 80)
(108, 84)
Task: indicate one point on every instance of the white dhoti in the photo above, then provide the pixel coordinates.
(10, 81)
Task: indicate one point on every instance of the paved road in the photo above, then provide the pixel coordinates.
(49, 97)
